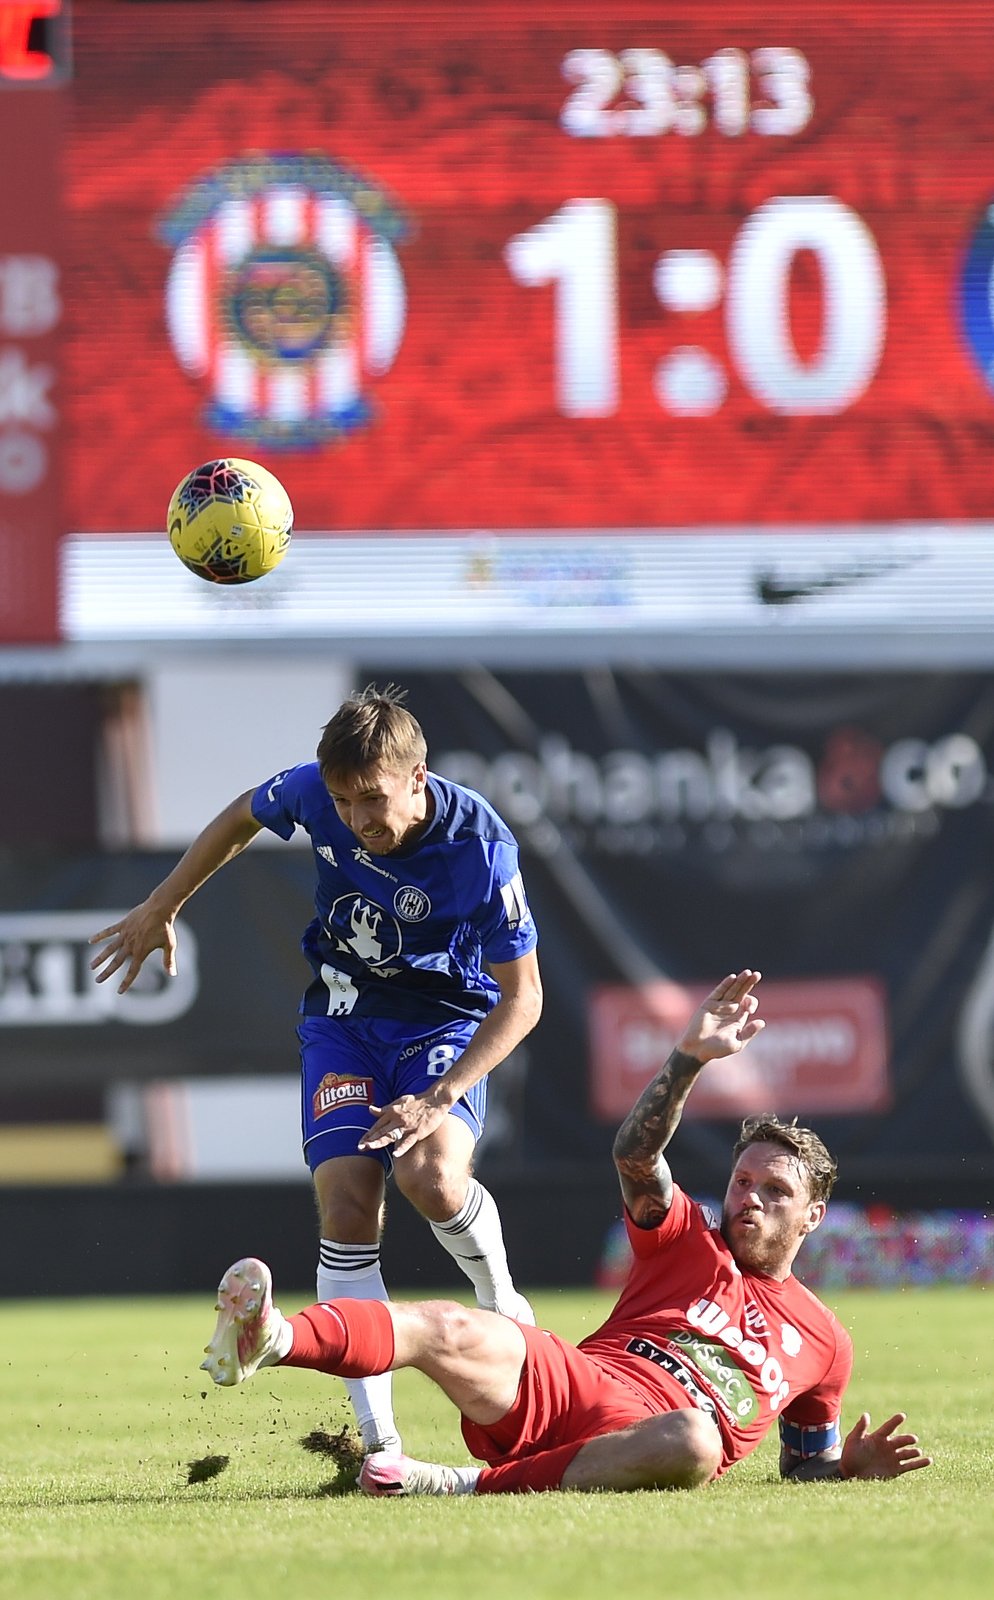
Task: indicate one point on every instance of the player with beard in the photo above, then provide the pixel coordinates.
(712, 1339)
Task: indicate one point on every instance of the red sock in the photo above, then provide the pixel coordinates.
(530, 1475)
(350, 1338)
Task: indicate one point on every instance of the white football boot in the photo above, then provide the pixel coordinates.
(388, 1474)
(250, 1331)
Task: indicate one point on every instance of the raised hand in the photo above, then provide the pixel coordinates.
(726, 1021)
(882, 1453)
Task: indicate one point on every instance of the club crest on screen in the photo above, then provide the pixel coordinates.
(285, 295)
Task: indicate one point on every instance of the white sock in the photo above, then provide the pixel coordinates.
(282, 1336)
(466, 1479)
(475, 1241)
(352, 1272)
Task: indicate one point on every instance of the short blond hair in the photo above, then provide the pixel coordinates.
(804, 1145)
(371, 728)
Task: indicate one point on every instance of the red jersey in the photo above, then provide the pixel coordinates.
(744, 1347)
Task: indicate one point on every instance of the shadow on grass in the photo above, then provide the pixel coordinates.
(182, 1495)
(343, 1449)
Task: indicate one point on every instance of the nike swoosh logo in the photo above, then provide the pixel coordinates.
(774, 590)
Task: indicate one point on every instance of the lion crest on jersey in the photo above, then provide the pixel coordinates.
(361, 927)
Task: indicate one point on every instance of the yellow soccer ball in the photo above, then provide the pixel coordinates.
(230, 521)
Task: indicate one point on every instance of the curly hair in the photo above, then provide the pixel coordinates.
(370, 728)
(805, 1146)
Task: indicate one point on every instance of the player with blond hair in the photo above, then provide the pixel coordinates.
(712, 1340)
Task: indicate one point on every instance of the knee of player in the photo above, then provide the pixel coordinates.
(673, 1450)
(450, 1330)
(350, 1219)
(690, 1444)
(349, 1195)
(436, 1187)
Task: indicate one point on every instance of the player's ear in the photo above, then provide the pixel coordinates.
(816, 1215)
(420, 776)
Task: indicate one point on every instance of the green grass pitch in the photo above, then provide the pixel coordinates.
(102, 1408)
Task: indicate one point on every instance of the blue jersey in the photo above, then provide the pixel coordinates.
(405, 935)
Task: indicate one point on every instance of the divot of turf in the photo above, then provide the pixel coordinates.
(207, 1467)
(345, 1449)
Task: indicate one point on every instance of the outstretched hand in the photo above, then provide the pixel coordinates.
(882, 1453)
(726, 1021)
(127, 943)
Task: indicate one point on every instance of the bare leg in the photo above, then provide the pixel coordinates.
(475, 1357)
(678, 1450)
(436, 1175)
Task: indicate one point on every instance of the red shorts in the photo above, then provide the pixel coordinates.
(564, 1397)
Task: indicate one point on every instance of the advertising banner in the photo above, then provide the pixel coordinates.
(230, 1009)
(580, 266)
(824, 1048)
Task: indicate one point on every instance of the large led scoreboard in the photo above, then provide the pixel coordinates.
(513, 266)
(563, 268)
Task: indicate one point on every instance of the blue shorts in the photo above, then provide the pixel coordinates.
(351, 1063)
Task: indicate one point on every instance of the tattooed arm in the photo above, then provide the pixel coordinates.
(722, 1026)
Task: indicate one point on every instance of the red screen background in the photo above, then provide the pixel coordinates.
(455, 117)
